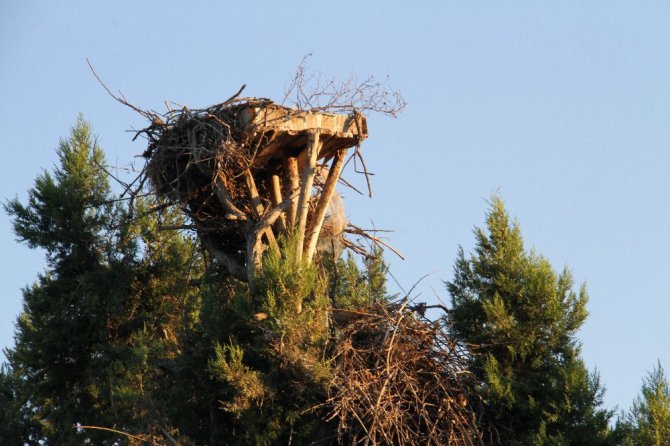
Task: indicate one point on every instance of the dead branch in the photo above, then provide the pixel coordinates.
(313, 91)
(400, 379)
(353, 229)
(147, 114)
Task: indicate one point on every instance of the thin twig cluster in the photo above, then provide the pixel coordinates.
(309, 90)
(400, 379)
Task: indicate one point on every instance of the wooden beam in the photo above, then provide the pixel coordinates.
(276, 201)
(322, 206)
(254, 235)
(294, 186)
(258, 207)
(221, 190)
(308, 172)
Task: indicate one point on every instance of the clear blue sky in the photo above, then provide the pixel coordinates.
(561, 107)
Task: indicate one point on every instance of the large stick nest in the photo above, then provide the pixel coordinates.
(401, 380)
(197, 156)
(191, 148)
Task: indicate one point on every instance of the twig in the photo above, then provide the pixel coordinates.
(121, 99)
(352, 229)
(107, 429)
(230, 99)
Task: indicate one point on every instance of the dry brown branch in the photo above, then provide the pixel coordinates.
(147, 114)
(162, 438)
(349, 185)
(353, 229)
(313, 91)
(400, 379)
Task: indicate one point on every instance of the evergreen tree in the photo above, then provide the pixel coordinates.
(101, 316)
(649, 418)
(59, 348)
(350, 287)
(521, 319)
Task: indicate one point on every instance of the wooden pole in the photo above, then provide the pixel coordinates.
(255, 232)
(294, 184)
(313, 148)
(232, 211)
(276, 201)
(258, 206)
(321, 208)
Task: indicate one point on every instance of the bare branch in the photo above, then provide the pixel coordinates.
(147, 114)
(313, 91)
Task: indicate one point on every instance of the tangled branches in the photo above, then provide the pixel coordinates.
(313, 91)
(240, 169)
(401, 380)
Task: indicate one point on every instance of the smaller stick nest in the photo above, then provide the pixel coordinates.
(401, 380)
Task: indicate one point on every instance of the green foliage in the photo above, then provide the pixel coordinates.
(14, 418)
(375, 276)
(622, 433)
(284, 283)
(272, 366)
(521, 319)
(246, 383)
(106, 310)
(60, 349)
(648, 422)
(352, 288)
(270, 357)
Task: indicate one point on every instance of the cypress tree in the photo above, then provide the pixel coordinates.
(521, 318)
(104, 313)
(649, 418)
(60, 338)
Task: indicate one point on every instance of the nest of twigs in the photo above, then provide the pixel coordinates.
(401, 380)
(218, 163)
(195, 153)
(191, 149)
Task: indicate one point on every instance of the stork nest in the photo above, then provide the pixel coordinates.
(400, 379)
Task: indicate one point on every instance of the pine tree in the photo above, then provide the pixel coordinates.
(521, 319)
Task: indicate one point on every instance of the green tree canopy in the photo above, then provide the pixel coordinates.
(109, 299)
(648, 423)
(520, 318)
(131, 328)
